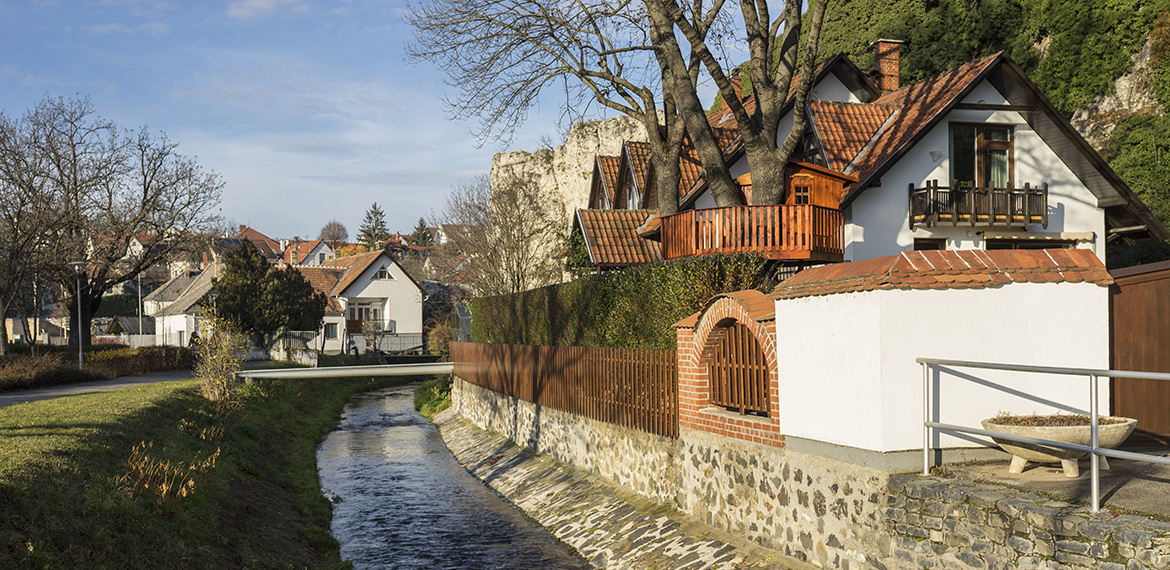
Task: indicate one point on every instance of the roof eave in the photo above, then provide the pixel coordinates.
(920, 133)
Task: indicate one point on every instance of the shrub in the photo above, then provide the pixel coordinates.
(26, 372)
(55, 368)
(218, 359)
(632, 308)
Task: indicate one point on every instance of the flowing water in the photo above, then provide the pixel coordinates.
(402, 501)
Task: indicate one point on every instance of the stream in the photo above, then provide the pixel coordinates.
(402, 501)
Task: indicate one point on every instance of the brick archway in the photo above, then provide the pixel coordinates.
(699, 338)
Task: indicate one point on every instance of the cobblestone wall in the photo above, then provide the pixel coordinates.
(830, 513)
(808, 507)
(947, 523)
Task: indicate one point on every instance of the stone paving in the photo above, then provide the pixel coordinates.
(609, 527)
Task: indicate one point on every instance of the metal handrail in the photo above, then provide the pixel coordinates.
(1094, 374)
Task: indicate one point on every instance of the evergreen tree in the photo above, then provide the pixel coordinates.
(240, 285)
(288, 300)
(421, 235)
(373, 233)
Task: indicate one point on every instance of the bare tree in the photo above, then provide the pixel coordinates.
(124, 200)
(334, 234)
(773, 46)
(33, 221)
(507, 235)
(500, 55)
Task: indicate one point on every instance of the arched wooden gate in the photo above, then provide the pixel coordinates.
(737, 370)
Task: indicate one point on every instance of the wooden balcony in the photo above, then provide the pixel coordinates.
(786, 231)
(936, 204)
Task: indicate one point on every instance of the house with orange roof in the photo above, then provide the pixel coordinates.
(269, 248)
(973, 158)
(315, 252)
(373, 304)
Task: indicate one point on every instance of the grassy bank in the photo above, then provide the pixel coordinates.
(155, 477)
(433, 396)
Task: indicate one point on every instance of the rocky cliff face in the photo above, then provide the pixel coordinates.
(565, 171)
(1133, 95)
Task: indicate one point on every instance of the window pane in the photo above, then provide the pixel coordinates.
(996, 134)
(963, 155)
(997, 167)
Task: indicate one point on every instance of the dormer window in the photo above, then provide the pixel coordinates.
(981, 155)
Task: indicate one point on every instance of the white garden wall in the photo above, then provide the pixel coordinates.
(847, 361)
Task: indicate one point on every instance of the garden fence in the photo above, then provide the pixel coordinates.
(636, 388)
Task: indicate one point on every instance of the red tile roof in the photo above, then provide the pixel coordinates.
(845, 128)
(690, 168)
(324, 279)
(638, 154)
(267, 246)
(610, 167)
(965, 269)
(919, 106)
(613, 240)
(356, 264)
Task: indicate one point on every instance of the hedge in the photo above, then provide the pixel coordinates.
(56, 368)
(631, 308)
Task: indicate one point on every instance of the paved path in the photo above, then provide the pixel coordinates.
(22, 396)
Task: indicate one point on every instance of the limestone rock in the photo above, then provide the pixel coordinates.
(566, 169)
(1133, 95)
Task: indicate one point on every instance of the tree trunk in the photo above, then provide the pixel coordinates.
(676, 75)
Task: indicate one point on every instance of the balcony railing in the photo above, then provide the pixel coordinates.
(934, 204)
(785, 231)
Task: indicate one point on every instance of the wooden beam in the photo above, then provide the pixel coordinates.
(992, 107)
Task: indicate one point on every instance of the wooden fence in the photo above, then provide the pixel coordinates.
(636, 388)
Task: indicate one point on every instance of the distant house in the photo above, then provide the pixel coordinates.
(177, 307)
(371, 297)
(269, 248)
(315, 252)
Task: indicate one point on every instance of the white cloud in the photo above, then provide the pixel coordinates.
(149, 28)
(114, 28)
(259, 9)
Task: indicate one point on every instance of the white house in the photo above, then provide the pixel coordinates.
(370, 297)
(175, 306)
(974, 158)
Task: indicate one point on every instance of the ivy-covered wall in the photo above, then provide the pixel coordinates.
(631, 308)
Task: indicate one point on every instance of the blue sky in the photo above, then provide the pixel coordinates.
(307, 109)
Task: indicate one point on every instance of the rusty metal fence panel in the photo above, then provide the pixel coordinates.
(636, 388)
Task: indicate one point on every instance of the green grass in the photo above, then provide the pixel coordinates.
(64, 502)
(433, 396)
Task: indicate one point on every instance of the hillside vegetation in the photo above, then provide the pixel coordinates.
(1074, 50)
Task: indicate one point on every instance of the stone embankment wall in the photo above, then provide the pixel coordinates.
(830, 513)
(944, 523)
(807, 507)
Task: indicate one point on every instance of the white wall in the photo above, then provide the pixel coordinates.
(881, 216)
(848, 375)
(168, 329)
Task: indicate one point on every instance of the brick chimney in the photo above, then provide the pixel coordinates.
(886, 64)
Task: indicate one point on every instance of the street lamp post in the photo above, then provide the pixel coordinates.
(79, 270)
